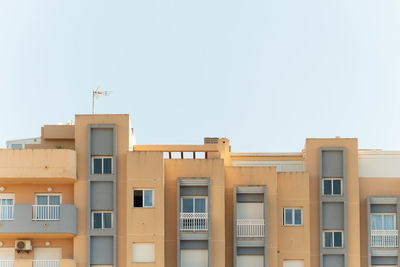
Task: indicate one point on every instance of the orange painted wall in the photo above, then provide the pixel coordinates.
(25, 193)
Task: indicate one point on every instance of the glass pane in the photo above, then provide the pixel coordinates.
(297, 217)
(200, 205)
(187, 205)
(338, 239)
(288, 216)
(42, 200)
(388, 221)
(107, 165)
(328, 239)
(107, 220)
(54, 200)
(148, 198)
(3, 202)
(377, 222)
(97, 166)
(327, 187)
(337, 188)
(138, 198)
(10, 202)
(96, 220)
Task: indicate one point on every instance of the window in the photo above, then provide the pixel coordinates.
(333, 239)
(17, 146)
(47, 207)
(143, 252)
(292, 216)
(102, 165)
(6, 206)
(332, 187)
(102, 220)
(143, 198)
(48, 199)
(383, 221)
(194, 204)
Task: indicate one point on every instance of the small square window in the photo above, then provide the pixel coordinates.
(332, 186)
(102, 220)
(102, 165)
(143, 198)
(143, 252)
(333, 239)
(292, 217)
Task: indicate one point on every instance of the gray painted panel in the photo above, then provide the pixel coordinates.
(332, 164)
(250, 251)
(383, 208)
(102, 141)
(332, 216)
(253, 198)
(101, 250)
(384, 260)
(23, 222)
(194, 191)
(333, 260)
(101, 195)
(194, 244)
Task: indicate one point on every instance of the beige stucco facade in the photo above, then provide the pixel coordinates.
(62, 165)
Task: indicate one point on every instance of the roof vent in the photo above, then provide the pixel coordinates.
(211, 140)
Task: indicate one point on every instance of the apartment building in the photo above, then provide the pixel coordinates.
(85, 195)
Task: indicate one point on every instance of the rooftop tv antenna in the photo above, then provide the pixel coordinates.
(96, 94)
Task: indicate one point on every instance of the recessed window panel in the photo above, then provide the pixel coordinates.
(138, 198)
(97, 166)
(288, 216)
(97, 220)
(327, 187)
(107, 169)
(107, 220)
(337, 187)
(337, 239)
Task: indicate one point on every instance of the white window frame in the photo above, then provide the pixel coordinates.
(383, 222)
(333, 237)
(102, 164)
(293, 216)
(332, 194)
(194, 203)
(8, 196)
(48, 196)
(102, 218)
(143, 207)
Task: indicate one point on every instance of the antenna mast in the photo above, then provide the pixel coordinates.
(96, 93)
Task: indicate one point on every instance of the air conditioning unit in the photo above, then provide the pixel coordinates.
(23, 245)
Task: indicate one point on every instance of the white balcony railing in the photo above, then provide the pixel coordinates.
(46, 263)
(193, 221)
(6, 263)
(384, 238)
(46, 213)
(250, 227)
(6, 213)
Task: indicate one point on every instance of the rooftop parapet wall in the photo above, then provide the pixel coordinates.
(21, 165)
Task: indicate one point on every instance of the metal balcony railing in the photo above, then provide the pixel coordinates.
(6, 213)
(46, 213)
(250, 227)
(384, 238)
(6, 263)
(46, 263)
(193, 221)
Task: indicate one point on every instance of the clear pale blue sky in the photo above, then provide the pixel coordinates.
(264, 73)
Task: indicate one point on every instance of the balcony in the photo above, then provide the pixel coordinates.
(250, 228)
(46, 263)
(46, 212)
(6, 213)
(38, 263)
(193, 222)
(6, 263)
(39, 219)
(384, 238)
(37, 165)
